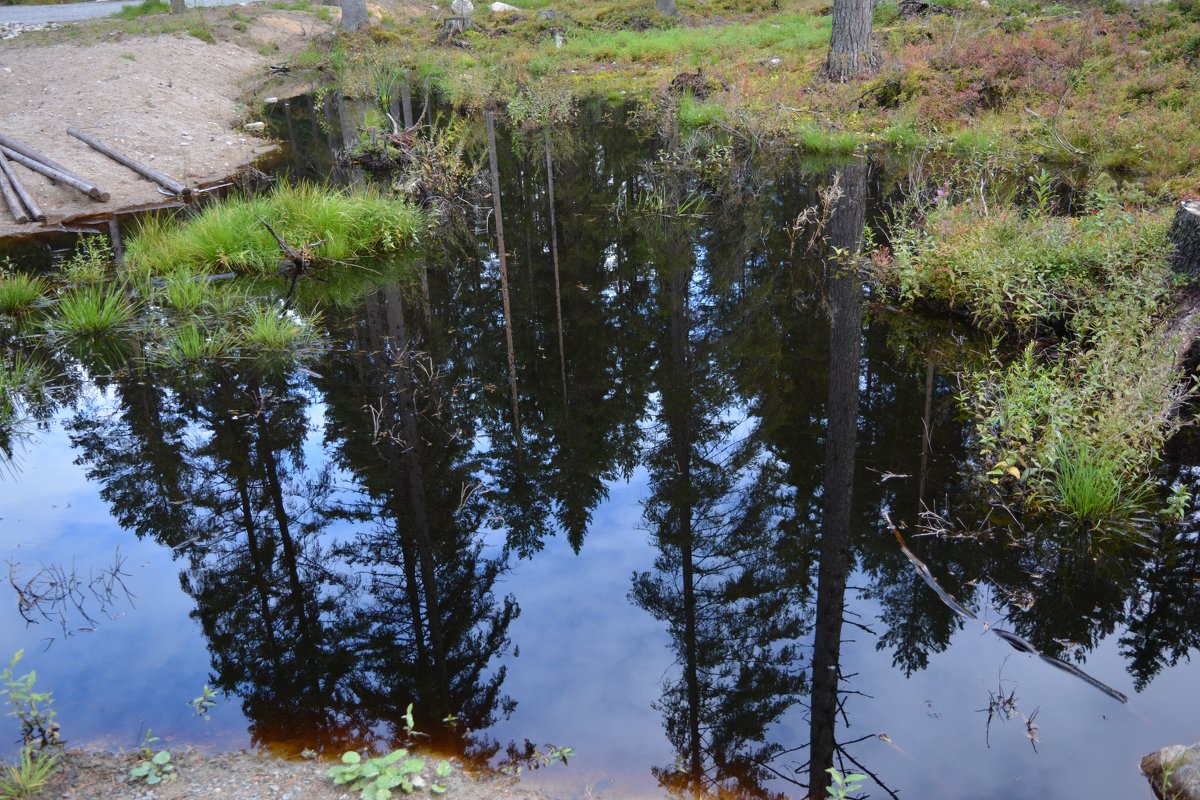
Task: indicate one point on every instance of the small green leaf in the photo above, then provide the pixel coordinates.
(153, 779)
(443, 769)
(351, 758)
(437, 788)
(161, 757)
(413, 765)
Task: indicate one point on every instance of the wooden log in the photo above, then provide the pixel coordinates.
(53, 174)
(1185, 239)
(29, 152)
(12, 201)
(171, 185)
(19, 188)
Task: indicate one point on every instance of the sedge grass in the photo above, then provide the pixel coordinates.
(187, 293)
(192, 343)
(92, 311)
(230, 236)
(30, 775)
(20, 292)
(265, 329)
(1090, 484)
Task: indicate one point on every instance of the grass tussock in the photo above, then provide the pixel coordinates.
(192, 343)
(264, 329)
(19, 292)
(92, 311)
(229, 236)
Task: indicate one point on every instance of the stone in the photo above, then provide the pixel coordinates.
(548, 13)
(462, 8)
(503, 8)
(1174, 772)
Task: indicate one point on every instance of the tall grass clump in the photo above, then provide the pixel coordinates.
(229, 236)
(20, 292)
(1090, 484)
(92, 311)
(695, 114)
(191, 343)
(265, 329)
(187, 293)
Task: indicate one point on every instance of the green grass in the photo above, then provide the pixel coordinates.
(229, 236)
(142, 9)
(92, 311)
(187, 294)
(694, 114)
(783, 34)
(263, 329)
(192, 343)
(29, 776)
(1089, 483)
(20, 292)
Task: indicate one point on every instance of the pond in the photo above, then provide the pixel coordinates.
(667, 539)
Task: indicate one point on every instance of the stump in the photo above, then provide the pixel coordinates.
(1185, 239)
(456, 25)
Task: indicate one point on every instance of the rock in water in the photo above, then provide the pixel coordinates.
(1174, 772)
(462, 8)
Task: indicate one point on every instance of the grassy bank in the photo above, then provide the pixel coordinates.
(1014, 82)
(1083, 387)
(231, 236)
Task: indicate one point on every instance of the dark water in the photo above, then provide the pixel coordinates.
(652, 571)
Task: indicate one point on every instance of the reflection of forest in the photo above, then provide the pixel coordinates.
(739, 367)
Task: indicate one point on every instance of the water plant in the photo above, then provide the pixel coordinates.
(93, 310)
(91, 261)
(204, 702)
(20, 292)
(34, 710)
(187, 292)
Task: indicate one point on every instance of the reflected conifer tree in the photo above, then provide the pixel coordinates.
(718, 582)
(400, 421)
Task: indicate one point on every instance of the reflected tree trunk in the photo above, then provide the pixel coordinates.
(562, 354)
(490, 119)
(845, 333)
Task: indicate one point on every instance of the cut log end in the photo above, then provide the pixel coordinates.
(1185, 239)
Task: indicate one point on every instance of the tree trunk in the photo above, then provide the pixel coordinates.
(1185, 239)
(850, 52)
(178, 6)
(666, 7)
(354, 14)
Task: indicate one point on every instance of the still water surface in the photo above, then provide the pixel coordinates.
(652, 571)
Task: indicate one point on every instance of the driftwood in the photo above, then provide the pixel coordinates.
(11, 200)
(91, 190)
(1185, 239)
(19, 188)
(170, 184)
